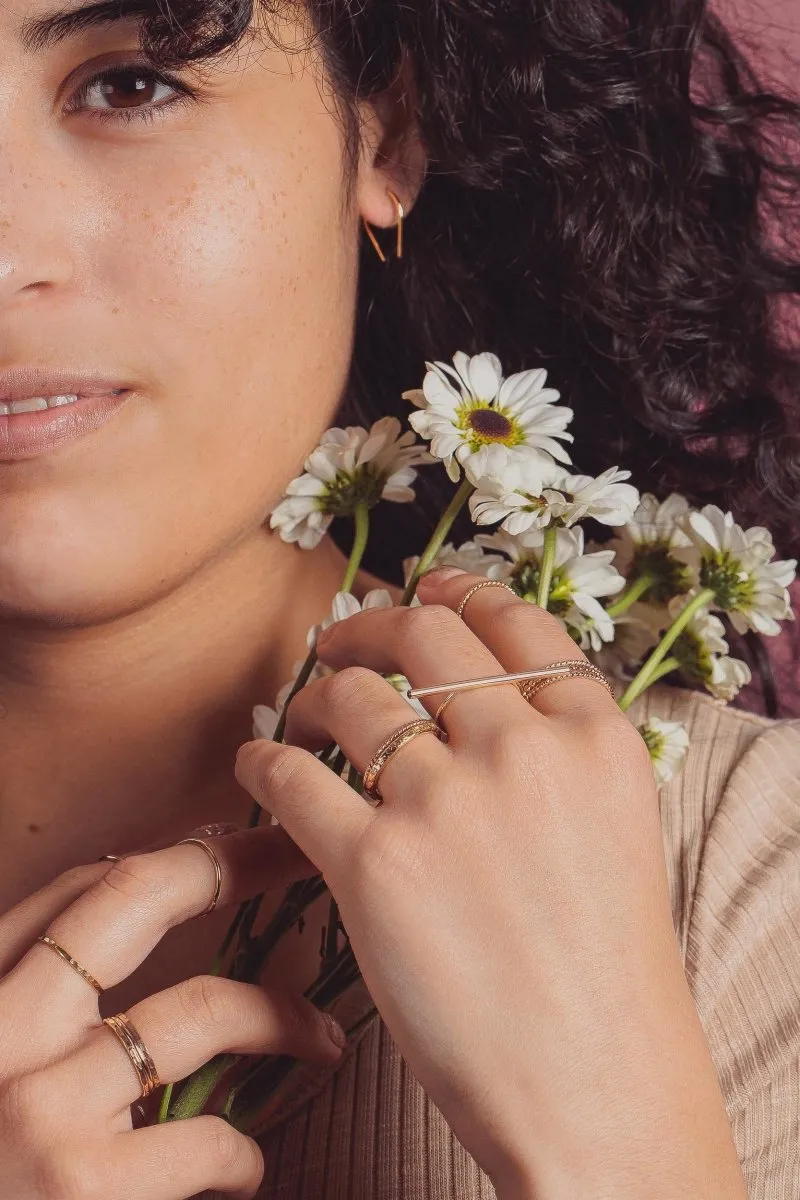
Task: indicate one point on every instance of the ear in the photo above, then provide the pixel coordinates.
(391, 153)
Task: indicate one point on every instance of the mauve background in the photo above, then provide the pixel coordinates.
(770, 30)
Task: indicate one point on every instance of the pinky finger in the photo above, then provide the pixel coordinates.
(184, 1158)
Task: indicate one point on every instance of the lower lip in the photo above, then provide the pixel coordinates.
(26, 435)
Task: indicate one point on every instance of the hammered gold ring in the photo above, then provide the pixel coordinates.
(127, 1035)
(46, 940)
(390, 746)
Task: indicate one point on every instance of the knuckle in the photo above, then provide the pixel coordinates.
(347, 687)
(278, 768)
(227, 1148)
(29, 1103)
(140, 878)
(73, 1175)
(77, 879)
(205, 1001)
(428, 621)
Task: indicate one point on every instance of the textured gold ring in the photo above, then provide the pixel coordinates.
(476, 587)
(46, 940)
(576, 668)
(127, 1035)
(193, 841)
(390, 746)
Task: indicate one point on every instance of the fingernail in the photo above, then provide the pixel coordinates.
(441, 575)
(215, 829)
(335, 1031)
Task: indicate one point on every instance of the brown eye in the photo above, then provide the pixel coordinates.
(128, 92)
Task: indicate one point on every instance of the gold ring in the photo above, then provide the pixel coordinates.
(46, 940)
(389, 747)
(137, 1052)
(572, 668)
(193, 841)
(110, 858)
(476, 587)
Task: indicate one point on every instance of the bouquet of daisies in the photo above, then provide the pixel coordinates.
(642, 606)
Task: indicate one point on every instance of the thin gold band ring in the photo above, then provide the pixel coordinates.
(476, 587)
(390, 746)
(46, 940)
(128, 1036)
(193, 841)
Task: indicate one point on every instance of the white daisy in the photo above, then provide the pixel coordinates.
(635, 635)
(651, 544)
(578, 579)
(737, 565)
(667, 742)
(470, 407)
(350, 466)
(469, 556)
(533, 491)
(703, 654)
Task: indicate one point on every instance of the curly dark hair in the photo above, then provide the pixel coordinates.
(609, 196)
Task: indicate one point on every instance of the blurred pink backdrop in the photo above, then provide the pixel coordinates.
(770, 31)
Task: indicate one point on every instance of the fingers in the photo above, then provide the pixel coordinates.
(26, 920)
(318, 811)
(184, 1027)
(358, 710)
(522, 636)
(116, 922)
(429, 645)
(176, 1160)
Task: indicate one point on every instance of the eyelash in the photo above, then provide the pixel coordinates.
(184, 94)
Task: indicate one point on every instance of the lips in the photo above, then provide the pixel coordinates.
(26, 435)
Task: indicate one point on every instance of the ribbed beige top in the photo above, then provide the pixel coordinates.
(365, 1130)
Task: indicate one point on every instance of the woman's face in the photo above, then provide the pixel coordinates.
(203, 254)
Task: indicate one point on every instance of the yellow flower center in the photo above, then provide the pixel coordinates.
(486, 426)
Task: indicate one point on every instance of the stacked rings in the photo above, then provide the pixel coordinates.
(392, 744)
(125, 1030)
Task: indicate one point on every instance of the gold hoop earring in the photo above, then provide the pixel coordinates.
(401, 212)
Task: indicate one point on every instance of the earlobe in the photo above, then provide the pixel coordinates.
(393, 160)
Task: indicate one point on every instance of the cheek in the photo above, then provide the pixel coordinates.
(232, 283)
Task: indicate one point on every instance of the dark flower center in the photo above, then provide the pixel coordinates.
(489, 423)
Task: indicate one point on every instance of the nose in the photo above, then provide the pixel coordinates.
(38, 222)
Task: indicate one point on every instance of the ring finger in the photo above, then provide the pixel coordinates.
(184, 1027)
(358, 710)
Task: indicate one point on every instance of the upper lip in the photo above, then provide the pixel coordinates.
(20, 383)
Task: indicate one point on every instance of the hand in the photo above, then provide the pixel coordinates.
(508, 904)
(66, 1083)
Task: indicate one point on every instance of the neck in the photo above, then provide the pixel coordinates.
(121, 736)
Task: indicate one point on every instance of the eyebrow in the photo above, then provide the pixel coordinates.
(43, 32)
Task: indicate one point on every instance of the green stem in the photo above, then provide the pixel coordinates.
(361, 518)
(437, 538)
(667, 666)
(246, 913)
(634, 593)
(163, 1107)
(644, 678)
(547, 564)
(199, 1088)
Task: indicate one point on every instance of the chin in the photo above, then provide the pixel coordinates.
(72, 582)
